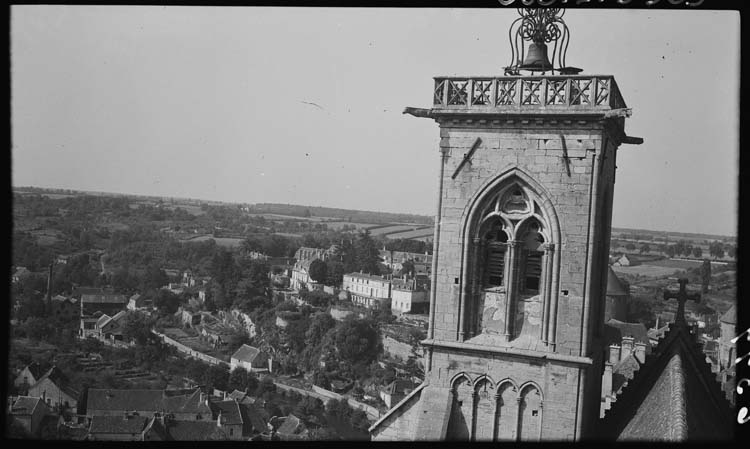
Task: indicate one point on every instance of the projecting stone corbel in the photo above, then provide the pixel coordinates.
(418, 112)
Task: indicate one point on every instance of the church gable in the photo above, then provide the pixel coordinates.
(673, 397)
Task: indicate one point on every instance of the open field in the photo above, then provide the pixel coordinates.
(286, 217)
(647, 270)
(393, 229)
(336, 225)
(682, 264)
(419, 233)
(228, 242)
(192, 210)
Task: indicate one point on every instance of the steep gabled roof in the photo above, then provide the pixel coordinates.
(730, 316)
(246, 353)
(229, 410)
(35, 369)
(58, 378)
(672, 397)
(614, 284)
(25, 405)
(118, 424)
(147, 400)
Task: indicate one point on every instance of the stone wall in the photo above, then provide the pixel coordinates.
(186, 350)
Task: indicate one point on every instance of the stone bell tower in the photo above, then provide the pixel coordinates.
(527, 172)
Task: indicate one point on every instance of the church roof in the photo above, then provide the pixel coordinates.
(614, 330)
(614, 284)
(655, 404)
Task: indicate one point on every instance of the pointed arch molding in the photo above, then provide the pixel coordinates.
(472, 218)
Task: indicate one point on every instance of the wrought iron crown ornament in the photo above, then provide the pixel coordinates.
(539, 27)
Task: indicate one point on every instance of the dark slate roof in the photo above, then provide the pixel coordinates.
(103, 298)
(614, 330)
(118, 424)
(674, 396)
(55, 375)
(229, 410)
(35, 369)
(195, 431)
(25, 405)
(147, 400)
(730, 316)
(252, 418)
(246, 353)
(614, 284)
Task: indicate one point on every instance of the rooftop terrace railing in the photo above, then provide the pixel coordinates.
(528, 92)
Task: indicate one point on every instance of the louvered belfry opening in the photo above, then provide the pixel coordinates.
(496, 244)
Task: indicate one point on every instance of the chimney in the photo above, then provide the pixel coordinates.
(614, 354)
(607, 380)
(627, 347)
(640, 352)
(218, 419)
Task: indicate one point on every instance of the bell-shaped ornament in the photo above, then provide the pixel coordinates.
(536, 59)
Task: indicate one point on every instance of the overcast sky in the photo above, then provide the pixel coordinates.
(215, 103)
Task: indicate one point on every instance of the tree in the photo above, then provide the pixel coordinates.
(216, 376)
(154, 277)
(669, 250)
(645, 248)
(357, 340)
(320, 324)
(137, 326)
(318, 271)
(367, 254)
(407, 268)
(167, 302)
(335, 273)
(697, 251)
(705, 275)
(630, 246)
(716, 249)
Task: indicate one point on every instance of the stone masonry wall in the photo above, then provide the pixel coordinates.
(557, 381)
(538, 153)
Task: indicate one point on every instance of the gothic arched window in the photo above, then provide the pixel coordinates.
(510, 264)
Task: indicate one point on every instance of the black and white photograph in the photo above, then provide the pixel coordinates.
(508, 223)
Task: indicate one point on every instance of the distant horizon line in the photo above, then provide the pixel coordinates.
(432, 217)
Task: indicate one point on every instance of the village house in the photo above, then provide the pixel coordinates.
(249, 358)
(20, 273)
(55, 390)
(110, 328)
(138, 302)
(108, 303)
(63, 307)
(28, 376)
(626, 260)
(304, 256)
(188, 405)
(395, 260)
(166, 415)
(395, 391)
(368, 290)
(29, 412)
(128, 427)
(407, 297)
(88, 328)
